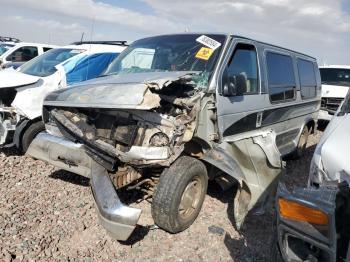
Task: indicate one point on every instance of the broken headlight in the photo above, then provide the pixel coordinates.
(159, 139)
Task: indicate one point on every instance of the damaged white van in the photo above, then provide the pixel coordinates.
(335, 85)
(176, 110)
(22, 91)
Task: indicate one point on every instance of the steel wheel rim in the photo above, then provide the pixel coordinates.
(190, 198)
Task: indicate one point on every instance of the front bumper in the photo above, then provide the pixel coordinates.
(118, 219)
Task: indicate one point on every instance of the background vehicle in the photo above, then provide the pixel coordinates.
(15, 53)
(314, 222)
(335, 85)
(22, 91)
(173, 111)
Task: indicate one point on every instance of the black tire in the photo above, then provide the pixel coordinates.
(30, 133)
(186, 180)
(300, 150)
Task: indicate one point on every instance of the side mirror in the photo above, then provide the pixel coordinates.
(235, 85)
(228, 85)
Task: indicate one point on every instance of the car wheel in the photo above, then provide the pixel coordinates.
(30, 133)
(180, 194)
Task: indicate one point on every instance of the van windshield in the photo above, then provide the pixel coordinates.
(45, 64)
(184, 52)
(335, 76)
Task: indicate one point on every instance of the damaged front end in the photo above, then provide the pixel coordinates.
(120, 136)
(313, 223)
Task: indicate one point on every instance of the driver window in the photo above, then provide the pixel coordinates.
(244, 65)
(23, 54)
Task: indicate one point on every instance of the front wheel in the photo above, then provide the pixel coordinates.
(180, 194)
(30, 133)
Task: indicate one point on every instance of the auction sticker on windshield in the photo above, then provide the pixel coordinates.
(209, 42)
(204, 53)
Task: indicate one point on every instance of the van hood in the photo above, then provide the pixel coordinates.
(129, 91)
(334, 91)
(335, 148)
(13, 78)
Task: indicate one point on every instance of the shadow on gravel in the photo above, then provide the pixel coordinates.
(10, 152)
(70, 178)
(137, 235)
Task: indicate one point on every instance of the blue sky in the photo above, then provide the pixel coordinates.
(317, 27)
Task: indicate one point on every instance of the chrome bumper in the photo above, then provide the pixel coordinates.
(118, 219)
(60, 152)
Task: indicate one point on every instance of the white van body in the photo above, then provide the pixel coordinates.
(333, 92)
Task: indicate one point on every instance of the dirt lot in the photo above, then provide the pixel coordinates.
(49, 215)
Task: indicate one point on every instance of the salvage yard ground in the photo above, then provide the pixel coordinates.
(49, 215)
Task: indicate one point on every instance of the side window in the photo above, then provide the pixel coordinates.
(23, 54)
(244, 65)
(46, 49)
(281, 77)
(307, 77)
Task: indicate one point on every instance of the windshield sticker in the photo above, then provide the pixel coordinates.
(204, 53)
(209, 42)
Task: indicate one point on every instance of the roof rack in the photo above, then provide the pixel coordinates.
(123, 43)
(9, 39)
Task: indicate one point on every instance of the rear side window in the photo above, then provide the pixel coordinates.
(281, 77)
(307, 77)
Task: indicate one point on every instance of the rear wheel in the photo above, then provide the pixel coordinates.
(30, 133)
(180, 194)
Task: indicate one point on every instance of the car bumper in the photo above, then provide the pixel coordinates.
(118, 219)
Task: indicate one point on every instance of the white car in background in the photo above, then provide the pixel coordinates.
(14, 53)
(335, 85)
(22, 91)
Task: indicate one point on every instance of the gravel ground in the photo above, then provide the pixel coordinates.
(49, 215)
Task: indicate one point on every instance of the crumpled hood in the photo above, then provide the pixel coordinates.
(334, 147)
(116, 91)
(334, 91)
(13, 78)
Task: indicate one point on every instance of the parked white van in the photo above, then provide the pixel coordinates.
(22, 91)
(335, 85)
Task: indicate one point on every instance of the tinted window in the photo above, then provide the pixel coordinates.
(89, 67)
(307, 78)
(244, 62)
(280, 77)
(23, 54)
(335, 76)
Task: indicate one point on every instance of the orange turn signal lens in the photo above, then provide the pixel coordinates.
(294, 211)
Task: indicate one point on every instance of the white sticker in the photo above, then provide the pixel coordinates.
(209, 42)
